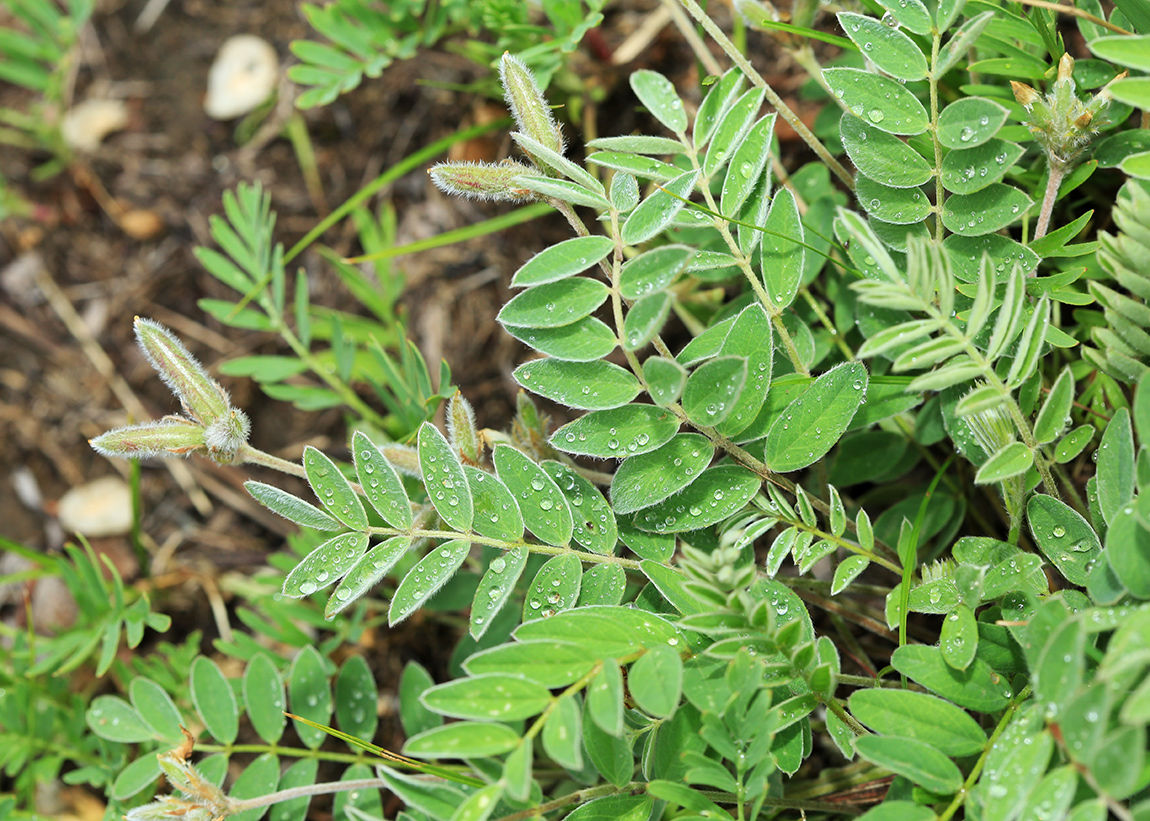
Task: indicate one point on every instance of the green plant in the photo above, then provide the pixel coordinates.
(964, 609)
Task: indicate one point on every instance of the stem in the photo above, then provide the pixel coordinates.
(306, 791)
(1076, 12)
(775, 100)
(1053, 182)
(976, 770)
(939, 193)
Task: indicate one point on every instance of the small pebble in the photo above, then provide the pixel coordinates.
(244, 74)
(86, 125)
(97, 509)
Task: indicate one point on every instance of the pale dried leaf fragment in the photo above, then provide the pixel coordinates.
(244, 74)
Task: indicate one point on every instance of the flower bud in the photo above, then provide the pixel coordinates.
(1024, 94)
(225, 436)
(172, 435)
(461, 429)
(202, 397)
(527, 103)
(482, 181)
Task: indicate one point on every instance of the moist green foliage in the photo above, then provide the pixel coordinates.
(837, 491)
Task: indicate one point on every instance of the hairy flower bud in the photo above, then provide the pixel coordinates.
(171, 435)
(461, 429)
(482, 181)
(1062, 124)
(202, 397)
(527, 103)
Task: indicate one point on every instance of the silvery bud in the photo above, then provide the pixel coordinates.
(527, 103)
(461, 429)
(482, 181)
(172, 435)
(202, 397)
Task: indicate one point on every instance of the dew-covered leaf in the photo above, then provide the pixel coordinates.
(880, 101)
(649, 478)
(644, 319)
(258, 778)
(970, 122)
(214, 700)
(1128, 548)
(966, 255)
(719, 98)
(424, 580)
(544, 508)
(563, 190)
(136, 777)
(625, 431)
(366, 573)
(1011, 460)
(967, 170)
(783, 256)
(291, 507)
(603, 632)
(911, 15)
(720, 492)
(811, 424)
(653, 270)
(569, 257)
(333, 489)
(594, 521)
(581, 385)
(1116, 471)
(898, 206)
(381, 483)
(443, 478)
(551, 663)
(847, 571)
(584, 340)
(605, 698)
(497, 513)
(1055, 412)
(554, 304)
(563, 733)
(747, 164)
(114, 719)
(1063, 536)
(555, 587)
(732, 127)
(658, 94)
(881, 156)
(986, 211)
(495, 587)
(959, 637)
(356, 698)
(888, 48)
(602, 584)
(713, 388)
(325, 565)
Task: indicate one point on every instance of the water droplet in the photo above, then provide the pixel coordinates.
(876, 115)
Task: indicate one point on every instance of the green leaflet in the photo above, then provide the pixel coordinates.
(812, 424)
(733, 126)
(656, 212)
(1063, 536)
(1116, 465)
(713, 389)
(747, 164)
(581, 385)
(291, 507)
(604, 701)
(554, 588)
(649, 478)
(658, 94)
(656, 681)
(967, 170)
(970, 122)
(113, 718)
(463, 739)
(381, 483)
(914, 760)
(1013, 459)
(645, 319)
(497, 513)
(986, 211)
(719, 98)
(444, 479)
(625, 431)
(882, 156)
(1128, 547)
(325, 565)
(545, 510)
(355, 698)
(593, 520)
(977, 688)
(424, 580)
(603, 584)
(563, 733)
(366, 573)
(495, 587)
(959, 637)
(333, 490)
(899, 206)
(718, 493)
(888, 48)
(260, 777)
(569, 257)
(585, 340)
(491, 697)
(653, 270)
(309, 696)
(602, 632)
(665, 379)
(214, 700)
(919, 716)
(879, 101)
(551, 663)
(554, 304)
(263, 691)
(783, 256)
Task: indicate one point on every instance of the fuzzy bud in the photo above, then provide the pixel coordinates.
(1024, 94)
(171, 435)
(461, 429)
(202, 800)
(527, 103)
(482, 181)
(1062, 123)
(202, 397)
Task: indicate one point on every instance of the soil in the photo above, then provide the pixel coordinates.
(72, 278)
